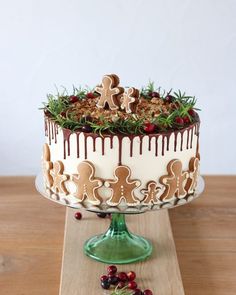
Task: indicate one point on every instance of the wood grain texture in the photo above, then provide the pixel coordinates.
(160, 273)
(31, 238)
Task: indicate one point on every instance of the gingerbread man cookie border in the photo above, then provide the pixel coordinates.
(125, 189)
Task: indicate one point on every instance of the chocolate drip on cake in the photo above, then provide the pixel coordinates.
(77, 142)
(156, 147)
(51, 131)
(66, 139)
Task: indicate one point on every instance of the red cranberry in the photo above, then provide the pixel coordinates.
(86, 128)
(112, 279)
(111, 269)
(147, 292)
(105, 285)
(88, 118)
(103, 278)
(191, 112)
(155, 94)
(149, 127)
(137, 292)
(101, 215)
(63, 114)
(121, 285)
(186, 120)
(90, 95)
(73, 99)
(132, 285)
(169, 98)
(131, 275)
(47, 113)
(122, 277)
(78, 215)
(179, 121)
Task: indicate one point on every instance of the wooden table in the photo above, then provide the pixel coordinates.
(30, 252)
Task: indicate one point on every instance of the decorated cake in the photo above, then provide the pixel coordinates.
(121, 148)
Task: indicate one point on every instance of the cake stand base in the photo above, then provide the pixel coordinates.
(160, 273)
(118, 245)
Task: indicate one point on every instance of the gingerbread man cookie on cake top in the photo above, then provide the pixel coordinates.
(122, 187)
(86, 184)
(130, 100)
(59, 178)
(174, 182)
(109, 92)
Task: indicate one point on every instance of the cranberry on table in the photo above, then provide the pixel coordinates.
(121, 285)
(132, 285)
(113, 279)
(149, 127)
(111, 269)
(73, 99)
(105, 285)
(131, 275)
(179, 120)
(103, 278)
(102, 215)
(86, 128)
(78, 215)
(122, 277)
(147, 292)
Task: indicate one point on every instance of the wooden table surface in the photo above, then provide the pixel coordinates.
(31, 239)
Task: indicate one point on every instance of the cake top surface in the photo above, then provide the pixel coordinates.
(110, 108)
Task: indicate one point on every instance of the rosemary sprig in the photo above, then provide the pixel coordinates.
(123, 291)
(58, 107)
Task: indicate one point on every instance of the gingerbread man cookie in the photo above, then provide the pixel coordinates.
(174, 182)
(130, 100)
(193, 175)
(59, 178)
(150, 193)
(109, 92)
(86, 184)
(122, 187)
(47, 165)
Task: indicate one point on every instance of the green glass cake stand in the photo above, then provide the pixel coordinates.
(117, 245)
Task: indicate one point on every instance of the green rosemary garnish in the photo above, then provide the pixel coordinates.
(66, 113)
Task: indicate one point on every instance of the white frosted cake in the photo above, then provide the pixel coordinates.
(119, 148)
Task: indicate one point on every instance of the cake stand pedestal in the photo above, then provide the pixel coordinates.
(160, 273)
(80, 274)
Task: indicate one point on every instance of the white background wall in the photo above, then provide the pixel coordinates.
(184, 44)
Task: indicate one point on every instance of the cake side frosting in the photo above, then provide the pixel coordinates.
(147, 156)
